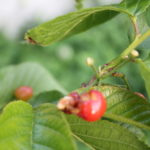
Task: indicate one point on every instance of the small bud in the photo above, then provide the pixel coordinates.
(99, 69)
(135, 53)
(126, 57)
(90, 61)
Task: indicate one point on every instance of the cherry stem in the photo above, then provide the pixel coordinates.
(123, 77)
(126, 82)
(124, 57)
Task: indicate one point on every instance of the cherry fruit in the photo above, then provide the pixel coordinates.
(92, 105)
(24, 93)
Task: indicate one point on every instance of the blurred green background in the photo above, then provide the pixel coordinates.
(66, 59)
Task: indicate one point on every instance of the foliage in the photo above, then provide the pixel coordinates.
(34, 132)
(39, 125)
(76, 49)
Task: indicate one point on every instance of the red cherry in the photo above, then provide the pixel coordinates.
(92, 106)
(75, 95)
(24, 93)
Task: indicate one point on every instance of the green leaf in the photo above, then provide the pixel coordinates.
(143, 26)
(46, 97)
(104, 135)
(30, 74)
(147, 15)
(71, 24)
(129, 109)
(135, 7)
(145, 45)
(81, 145)
(82, 20)
(125, 107)
(145, 72)
(143, 135)
(142, 23)
(126, 104)
(42, 128)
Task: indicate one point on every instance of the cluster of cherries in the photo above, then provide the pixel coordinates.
(90, 105)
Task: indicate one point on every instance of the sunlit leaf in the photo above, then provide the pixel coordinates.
(42, 128)
(135, 7)
(71, 24)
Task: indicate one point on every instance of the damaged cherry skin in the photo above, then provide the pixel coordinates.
(92, 106)
(89, 106)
